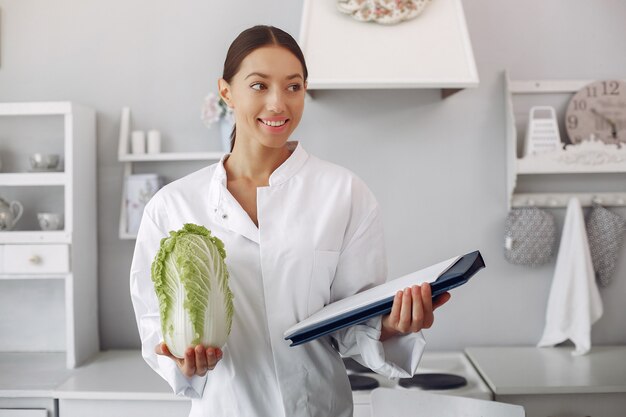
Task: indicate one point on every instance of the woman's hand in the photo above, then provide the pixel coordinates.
(197, 361)
(412, 311)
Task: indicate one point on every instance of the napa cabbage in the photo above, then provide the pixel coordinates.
(191, 283)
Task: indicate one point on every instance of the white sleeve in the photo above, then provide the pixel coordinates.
(362, 265)
(147, 311)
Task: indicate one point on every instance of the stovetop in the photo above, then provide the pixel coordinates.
(449, 373)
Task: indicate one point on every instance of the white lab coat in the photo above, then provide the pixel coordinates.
(320, 239)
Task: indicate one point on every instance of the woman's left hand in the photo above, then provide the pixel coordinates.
(412, 311)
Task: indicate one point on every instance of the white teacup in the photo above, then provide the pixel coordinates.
(50, 221)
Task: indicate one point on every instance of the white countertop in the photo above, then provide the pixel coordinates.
(123, 375)
(116, 375)
(532, 370)
(34, 375)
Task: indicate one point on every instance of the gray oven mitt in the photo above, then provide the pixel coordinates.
(530, 236)
(605, 231)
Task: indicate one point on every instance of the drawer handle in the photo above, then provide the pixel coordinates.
(35, 259)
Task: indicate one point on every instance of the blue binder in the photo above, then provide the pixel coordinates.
(378, 300)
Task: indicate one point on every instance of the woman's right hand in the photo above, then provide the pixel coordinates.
(197, 361)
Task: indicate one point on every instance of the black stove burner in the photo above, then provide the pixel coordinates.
(362, 383)
(434, 381)
(354, 366)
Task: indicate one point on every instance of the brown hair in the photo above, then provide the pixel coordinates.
(248, 41)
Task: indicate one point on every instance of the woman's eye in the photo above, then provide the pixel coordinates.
(257, 86)
(294, 87)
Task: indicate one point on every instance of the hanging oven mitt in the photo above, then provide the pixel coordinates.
(605, 231)
(530, 236)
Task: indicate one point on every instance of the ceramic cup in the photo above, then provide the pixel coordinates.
(43, 161)
(50, 221)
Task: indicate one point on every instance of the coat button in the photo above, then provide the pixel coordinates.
(224, 216)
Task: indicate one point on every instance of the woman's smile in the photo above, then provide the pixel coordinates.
(274, 124)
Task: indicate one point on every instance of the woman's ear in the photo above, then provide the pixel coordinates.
(224, 91)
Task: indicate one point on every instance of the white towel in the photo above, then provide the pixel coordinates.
(574, 303)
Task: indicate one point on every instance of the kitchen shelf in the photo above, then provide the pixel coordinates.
(35, 236)
(171, 156)
(33, 178)
(32, 276)
(129, 159)
(52, 108)
(530, 167)
(53, 271)
(585, 158)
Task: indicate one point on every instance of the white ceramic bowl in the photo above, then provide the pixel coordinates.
(44, 161)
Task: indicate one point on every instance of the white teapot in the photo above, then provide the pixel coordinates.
(10, 213)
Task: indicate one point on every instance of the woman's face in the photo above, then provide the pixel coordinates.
(267, 95)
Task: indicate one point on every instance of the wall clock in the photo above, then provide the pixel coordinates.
(598, 111)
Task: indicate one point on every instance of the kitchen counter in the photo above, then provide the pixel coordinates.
(552, 382)
(120, 383)
(28, 382)
(114, 382)
(31, 374)
(116, 375)
(530, 370)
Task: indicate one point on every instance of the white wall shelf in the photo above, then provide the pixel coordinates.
(33, 178)
(343, 53)
(171, 157)
(31, 276)
(129, 159)
(584, 158)
(36, 236)
(59, 267)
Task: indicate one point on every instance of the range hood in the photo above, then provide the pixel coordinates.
(430, 51)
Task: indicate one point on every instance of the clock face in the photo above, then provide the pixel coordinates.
(598, 110)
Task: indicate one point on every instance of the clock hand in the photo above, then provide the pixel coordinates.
(611, 122)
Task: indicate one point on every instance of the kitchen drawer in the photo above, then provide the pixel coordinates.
(34, 259)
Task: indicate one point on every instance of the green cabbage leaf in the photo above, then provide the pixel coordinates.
(191, 283)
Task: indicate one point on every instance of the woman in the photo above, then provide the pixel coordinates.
(299, 233)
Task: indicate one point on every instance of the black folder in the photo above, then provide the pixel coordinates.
(377, 301)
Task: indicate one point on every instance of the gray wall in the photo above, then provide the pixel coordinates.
(437, 167)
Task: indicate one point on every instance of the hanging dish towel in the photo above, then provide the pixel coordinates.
(574, 303)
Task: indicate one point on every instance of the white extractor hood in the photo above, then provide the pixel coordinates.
(431, 51)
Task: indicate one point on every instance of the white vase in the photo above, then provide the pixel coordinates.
(226, 128)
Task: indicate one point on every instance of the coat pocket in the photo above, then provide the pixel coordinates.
(324, 267)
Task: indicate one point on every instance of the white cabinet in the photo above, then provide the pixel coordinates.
(48, 279)
(129, 160)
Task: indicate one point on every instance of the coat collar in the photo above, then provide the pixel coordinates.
(225, 208)
(280, 175)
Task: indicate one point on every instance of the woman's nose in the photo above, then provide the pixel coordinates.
(275, 102)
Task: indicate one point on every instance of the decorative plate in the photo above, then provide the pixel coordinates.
(386, 12)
